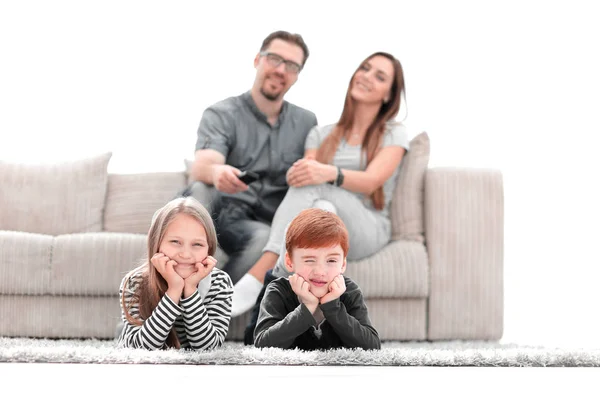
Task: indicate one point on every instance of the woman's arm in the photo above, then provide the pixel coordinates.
(308, 171)
(379, 170)
(310, 154)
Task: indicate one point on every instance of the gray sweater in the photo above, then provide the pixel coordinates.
(286, 323)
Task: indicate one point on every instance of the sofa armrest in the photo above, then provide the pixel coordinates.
(464, 233)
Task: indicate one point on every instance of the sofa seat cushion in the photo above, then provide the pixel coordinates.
(399, 270)
(59, 317)
(94, 263)
(25, 262)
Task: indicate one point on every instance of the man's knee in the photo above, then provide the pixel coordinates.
(205, 194)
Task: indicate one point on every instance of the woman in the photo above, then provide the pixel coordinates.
(349, 167)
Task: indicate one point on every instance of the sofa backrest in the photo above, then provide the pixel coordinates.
(132, 199)
(79, 196)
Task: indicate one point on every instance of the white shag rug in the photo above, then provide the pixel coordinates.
(443, 354)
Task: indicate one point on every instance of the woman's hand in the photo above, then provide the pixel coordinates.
(307, 171)
(203, 268)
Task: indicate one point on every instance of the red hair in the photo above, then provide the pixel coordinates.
(316, 228)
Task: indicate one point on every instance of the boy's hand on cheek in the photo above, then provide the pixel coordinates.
(302, 289)
(336, 288)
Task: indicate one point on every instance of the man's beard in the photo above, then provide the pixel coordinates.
(264, 89)
(269, 96)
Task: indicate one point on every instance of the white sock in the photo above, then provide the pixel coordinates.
(245, 293)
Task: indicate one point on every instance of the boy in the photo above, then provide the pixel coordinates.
(316, 307)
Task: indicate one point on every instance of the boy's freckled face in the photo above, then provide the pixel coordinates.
(317, 266)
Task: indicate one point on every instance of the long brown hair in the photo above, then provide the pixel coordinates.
(153, 286)
(374, 136)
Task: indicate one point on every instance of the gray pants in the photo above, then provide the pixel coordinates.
(368, 230)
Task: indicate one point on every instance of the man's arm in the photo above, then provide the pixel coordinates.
(204, 162)
(215, 136)
(209, 167)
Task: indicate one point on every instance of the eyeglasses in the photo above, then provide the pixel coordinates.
(275, 60)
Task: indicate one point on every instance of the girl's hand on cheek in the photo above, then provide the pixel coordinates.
(166, 268)
(203, 269)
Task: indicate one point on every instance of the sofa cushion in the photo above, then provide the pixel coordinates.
(407, 207)
(24, 263)
(400, 269)
(94, 263)
(54, 199)
(59, 317)
(132, 199)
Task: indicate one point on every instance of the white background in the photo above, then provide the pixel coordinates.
(507, 85)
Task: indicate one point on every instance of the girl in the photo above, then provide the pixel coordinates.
(176, 298)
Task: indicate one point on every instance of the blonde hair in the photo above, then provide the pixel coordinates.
(153, 285)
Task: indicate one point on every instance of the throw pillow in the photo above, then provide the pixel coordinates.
(54, 198)
(408, 203)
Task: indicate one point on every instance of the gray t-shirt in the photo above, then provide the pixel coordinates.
(236, 128)
(349, 156)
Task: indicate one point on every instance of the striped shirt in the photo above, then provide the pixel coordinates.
(200, 323)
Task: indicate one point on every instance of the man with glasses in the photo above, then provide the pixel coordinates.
(258, 132)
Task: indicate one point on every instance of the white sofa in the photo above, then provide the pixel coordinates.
(70, 231)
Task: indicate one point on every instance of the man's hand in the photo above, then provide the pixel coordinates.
(307, 171)
(203, 268)
(225, 179)
(302, 289)
(336, 288)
